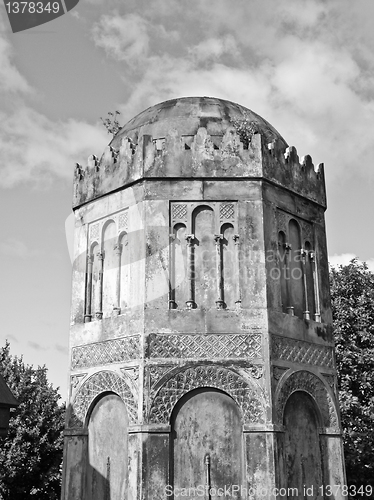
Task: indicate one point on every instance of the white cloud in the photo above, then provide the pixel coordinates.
(17, 248)
(33, 147)
(11, 79)
(297, 66)
(124, 38)
(345, 258)
(214, 48)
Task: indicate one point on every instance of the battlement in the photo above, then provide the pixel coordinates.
(133, 157)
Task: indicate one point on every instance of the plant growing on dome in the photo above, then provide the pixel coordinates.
(245, 129)
(111, 123)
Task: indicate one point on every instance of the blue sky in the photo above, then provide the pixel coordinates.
(306, 66)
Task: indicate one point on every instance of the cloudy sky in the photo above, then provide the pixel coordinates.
(306, 66)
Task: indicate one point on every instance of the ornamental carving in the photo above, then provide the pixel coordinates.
(307, 231)
(123, 220)
(104, 353)
(226, 211)
(157, 372)
(298, 351)
(247, 396)
(278, 371)
(105, 381)
(330, 379)
(75, 380)
(203, 346)
(131, 374)
(256, 371)
(94, 231)
(310, 383)
(179, 211)
(282, 219)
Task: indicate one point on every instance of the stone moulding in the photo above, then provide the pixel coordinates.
(313, 385)
(247, 346)
(246, 394)
(298, 351)
(94, 386)
(104, 353)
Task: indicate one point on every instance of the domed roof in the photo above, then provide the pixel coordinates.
(187, 114)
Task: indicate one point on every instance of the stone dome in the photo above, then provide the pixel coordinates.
(197, 138)
(187, 114)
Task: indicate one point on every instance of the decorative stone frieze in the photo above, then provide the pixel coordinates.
(104, 353)
(298, 351)
(206, 346)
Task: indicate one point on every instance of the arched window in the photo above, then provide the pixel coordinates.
(297, 295)
(124, 271)
(178, 294)
(110, 269)
(309, 279)
(283, 271)
(96, 281)
(230, 275)
(204, 256)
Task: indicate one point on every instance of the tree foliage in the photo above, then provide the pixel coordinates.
(31, 453)
(352, 295)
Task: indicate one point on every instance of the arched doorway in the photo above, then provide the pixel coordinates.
(302, 447)
(207, 443)
(107, 450)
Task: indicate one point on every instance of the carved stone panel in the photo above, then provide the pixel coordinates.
(104, 381)
(157, 372)
(298, 351)
(246, 395)
(206, 346)
(227, 211)
(123, 220)
(310, 383)
(104, 353)
(75, 380)
(179, 212)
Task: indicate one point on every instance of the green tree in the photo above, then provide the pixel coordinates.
(31, 453)
(352, 295)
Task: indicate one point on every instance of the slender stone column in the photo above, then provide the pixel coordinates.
(190, 303)
(118, 252)
(290, 308)
(219, 302)
(317, 315)
(99, 312)
(88, 311)
(306, 313)
(238, 301)
(171, 298)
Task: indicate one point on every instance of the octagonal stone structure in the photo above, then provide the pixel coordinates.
(201, 347)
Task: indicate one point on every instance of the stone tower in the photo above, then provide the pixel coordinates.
(201, 346)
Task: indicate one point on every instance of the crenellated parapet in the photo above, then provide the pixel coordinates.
(202, 155)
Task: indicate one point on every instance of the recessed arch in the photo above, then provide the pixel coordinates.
(202, 453)
(310, 383)
(107, 469)
(302, 420)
